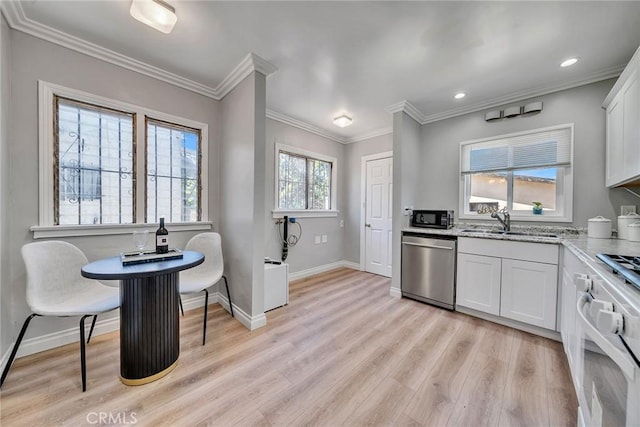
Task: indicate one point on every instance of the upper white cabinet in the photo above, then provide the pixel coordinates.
(623, 127)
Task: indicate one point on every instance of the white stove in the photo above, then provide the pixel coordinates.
(623, 292)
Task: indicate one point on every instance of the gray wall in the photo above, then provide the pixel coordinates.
(33, 59)
(352, 189)
(306, 254)
(407, 181)
(5, 61)
(242, 199)
(581, 106)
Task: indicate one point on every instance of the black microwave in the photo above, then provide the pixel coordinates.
(432, 219)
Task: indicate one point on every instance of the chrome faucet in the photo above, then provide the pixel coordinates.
(506, 222)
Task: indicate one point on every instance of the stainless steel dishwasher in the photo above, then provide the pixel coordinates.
(429, 269)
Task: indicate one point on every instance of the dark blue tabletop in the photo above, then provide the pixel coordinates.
(112, 268)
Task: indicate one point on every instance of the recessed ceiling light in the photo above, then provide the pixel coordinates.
(569, 62)
(342, 120)
(155, 13)
(459, 95)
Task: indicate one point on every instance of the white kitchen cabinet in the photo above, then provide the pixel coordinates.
(529, 292)
(623, 127)
(513, 280)
(478, 284)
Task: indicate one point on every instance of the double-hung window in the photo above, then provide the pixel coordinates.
(513, 171)
(93, 154)
(107, 164)
(305, 182)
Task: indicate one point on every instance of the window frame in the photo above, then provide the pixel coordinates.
(309, 213)
(46, 135)
(564, 184)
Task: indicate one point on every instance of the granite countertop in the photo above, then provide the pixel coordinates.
(492, 233)
(574, 239)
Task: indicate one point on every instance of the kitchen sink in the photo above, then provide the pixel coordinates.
(509, 233)
(481, 231)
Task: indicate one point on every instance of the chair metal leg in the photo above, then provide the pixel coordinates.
(83, 363)
(15, 347)
(180, 301)
(93, 324)
(206, 305)
(228, 294)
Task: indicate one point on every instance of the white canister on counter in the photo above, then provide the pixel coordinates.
(634, 232)
(599, 228)
(624, 221)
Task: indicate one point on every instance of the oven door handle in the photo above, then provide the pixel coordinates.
(620, 358)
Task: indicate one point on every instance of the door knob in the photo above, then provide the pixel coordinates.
(367, 225)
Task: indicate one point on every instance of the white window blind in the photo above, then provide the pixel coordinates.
(536, 149)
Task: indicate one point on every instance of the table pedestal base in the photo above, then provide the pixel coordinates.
(149, 328)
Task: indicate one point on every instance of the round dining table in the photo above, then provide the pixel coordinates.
(149, 313)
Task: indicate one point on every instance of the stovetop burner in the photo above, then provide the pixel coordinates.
(626, 266)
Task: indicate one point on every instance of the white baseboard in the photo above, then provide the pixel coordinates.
(395, 292)
(71, 335)
(323, 268)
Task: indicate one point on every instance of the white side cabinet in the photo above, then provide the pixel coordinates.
(478, 283)
(276, 285)
(513, 280)
(623, 127)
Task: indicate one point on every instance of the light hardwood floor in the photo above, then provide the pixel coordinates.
(343, 352)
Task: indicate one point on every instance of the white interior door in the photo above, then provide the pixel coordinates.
(378, 215)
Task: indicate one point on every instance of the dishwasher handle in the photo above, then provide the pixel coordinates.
(428, 246)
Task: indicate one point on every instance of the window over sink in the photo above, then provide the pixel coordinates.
(511, 172)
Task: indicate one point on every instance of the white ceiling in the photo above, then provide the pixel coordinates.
(360, 57)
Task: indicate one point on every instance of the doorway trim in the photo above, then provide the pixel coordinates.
(363, 199)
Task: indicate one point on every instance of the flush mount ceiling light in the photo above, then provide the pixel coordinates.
(569, 62)
(342, 120)
(459, 95)
(155, 13)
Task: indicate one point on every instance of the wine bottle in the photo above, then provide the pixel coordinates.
(162, 239)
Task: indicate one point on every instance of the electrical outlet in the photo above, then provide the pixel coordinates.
(316, 240)
(324, 238)
(341, 223)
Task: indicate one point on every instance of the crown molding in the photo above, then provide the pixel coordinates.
(418, 116)
(17, 20)
(408, 108)
(604, 74)
(249, 64)
(369, 135)
(282, 118)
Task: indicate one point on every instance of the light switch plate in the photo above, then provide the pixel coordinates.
(627, 209)
(324, 238)
(317, 240)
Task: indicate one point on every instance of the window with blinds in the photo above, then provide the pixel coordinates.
(94, 157)
(513, 171)
(546, 148)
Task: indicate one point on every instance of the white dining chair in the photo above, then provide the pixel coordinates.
(55, 287)
(207, 274)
